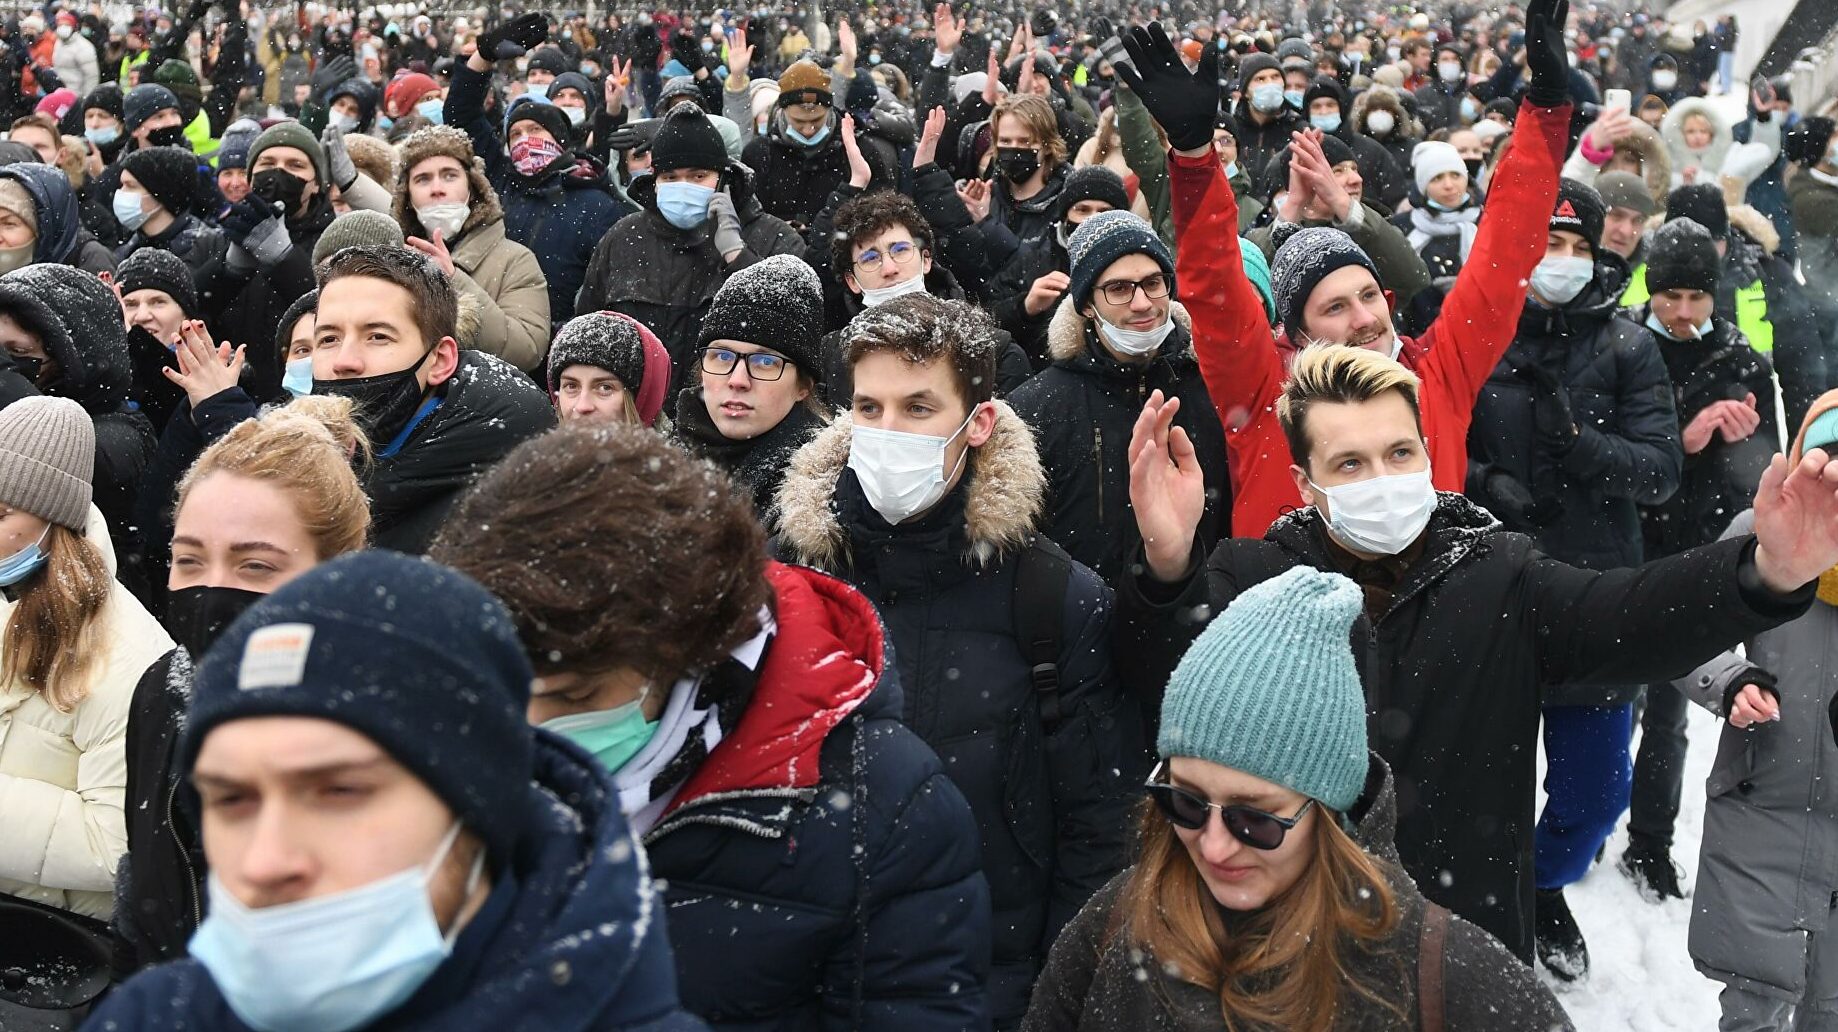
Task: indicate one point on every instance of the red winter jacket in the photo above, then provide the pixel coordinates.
(1244, 371)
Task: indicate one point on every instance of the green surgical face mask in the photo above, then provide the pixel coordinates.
(614, 736)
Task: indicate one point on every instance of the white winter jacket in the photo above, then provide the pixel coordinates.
(74, 60)
(63, 775)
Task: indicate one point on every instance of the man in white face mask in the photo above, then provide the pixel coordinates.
(929, 498)
(1466, 622)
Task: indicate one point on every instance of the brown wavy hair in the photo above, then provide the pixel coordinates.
(1283, 966)
(51, 637)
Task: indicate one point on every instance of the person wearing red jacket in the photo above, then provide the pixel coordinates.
(1244, 370)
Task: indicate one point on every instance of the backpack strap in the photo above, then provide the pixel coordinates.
(1430, 940)
(1042, 573)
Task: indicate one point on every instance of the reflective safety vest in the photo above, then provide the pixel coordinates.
(1751, 309)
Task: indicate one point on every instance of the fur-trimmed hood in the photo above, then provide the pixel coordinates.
(1643, 142)
(1672, 130)
(1381, 97)
(1002, 511)
(435, 141)
(1066, 333)
(1758, 227)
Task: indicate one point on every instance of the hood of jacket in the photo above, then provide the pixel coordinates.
(1643, 143)
(56, 205)
(1756, 226)
(78, 320)
(1002, 508)
(1671, 129)
(1066, 334)
(1384, 98)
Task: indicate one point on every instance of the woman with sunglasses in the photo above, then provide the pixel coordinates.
(754, 401)
(1266, 891)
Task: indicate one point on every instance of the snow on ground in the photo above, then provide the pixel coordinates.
(1641, 978)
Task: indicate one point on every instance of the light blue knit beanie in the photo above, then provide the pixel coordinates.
(1271, 688)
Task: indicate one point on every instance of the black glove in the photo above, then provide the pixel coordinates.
(1759, 678)
(1507, 499)
(240, 219)
(514, 37)
(1185, 103)
(1544, 52)
(330, 74)
(1551, 412)
(624, 138)
(686, 50)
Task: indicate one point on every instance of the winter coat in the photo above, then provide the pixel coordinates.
(62, 240)
(1012, 365)
(1709, 160)
(821, 869)
(1643, 144)
(757, 464)
(247, 305)
(1440, 106)
(1453, 357)
(1766, 871)
(665, 277)
(1083, 408)
(1008, 294)
(74, 60)
(485, 409)
(1257, 144)
(1767, 193)
(62, 775)
(567, 940)
(1100, 980)
(159, 885)
(559, 214)
(1720, 481)
(791, 181)
(507, 281)
(1052, 802)
(1813, 195)
(1401, 269)
(1453, 669)
(1013, 224)
(200, 246)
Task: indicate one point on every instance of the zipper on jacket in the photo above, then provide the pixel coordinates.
(1097, 455)
(191, 876)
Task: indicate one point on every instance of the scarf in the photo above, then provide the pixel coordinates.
(1426, 225)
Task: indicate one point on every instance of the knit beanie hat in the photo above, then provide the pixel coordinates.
(1271, 688)
(106, 97)
(1431, 159)
(619, 344)
(1625, 190)
(681, 86)
(687, 139)
(776, 303)
(1305, 259)
(304, 304)
(1810, 141)
(1703, 204)
(233, 148)
(291, 134)
(1092, 183)
(805, 83)
(145, 101)
(170, 175)
(1683, 256)
(1102, 239)
(414, 656)
(1579, 209)
(1250, 64)
(548, 59)
(57, 103)
(405, 91)
(580, 84)
(47, 458)
(543, 113)
(16, 200)
(154, 268)
(1295, 53)
(1324, 86)
(357, 228)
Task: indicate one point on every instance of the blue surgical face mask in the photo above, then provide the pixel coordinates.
(575, 115)
(25, 562)
(104, 136)
(331, 963)
(1294, 97)
(384, 122)
(1325, 123)
(1653, 323)
(614, 735)
(809, 141)
(128, 209)
(539, 90)
(433, 110)
(1267, 98)
(685, 205)
(298, 379)
(1470, 111)
(1231, 169)
(1458, 205)
(1559, 280)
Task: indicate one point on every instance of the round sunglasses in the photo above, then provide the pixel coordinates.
(1249, 825)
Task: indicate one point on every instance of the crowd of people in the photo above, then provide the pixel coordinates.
(905, 518)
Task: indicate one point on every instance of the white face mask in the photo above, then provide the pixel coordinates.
(1136, 343)
(1450, 72)
(874, 296)
(444, 218)
(1559, 280)
(1665, 80)
(1381, 123)
(902, 474)
(1380, 516)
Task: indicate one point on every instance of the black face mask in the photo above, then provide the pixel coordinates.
(1017, 164)
(385, 403)
(280, 188)
(170, 136)
(1474, 168)
(29, 368)
(196, 616)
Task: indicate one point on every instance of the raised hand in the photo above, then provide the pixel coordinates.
(975, 195)
(1544, 52)
(859, 172)
(435, 249)
(1045, 292)
(1185, 103)
(618, 80)
(927, 151)
(1796, 521)
(514, 38)
(205, 369)
(992, 86)
(740, 59)
(1610, 127)
(1167, 488)
(1307, 158)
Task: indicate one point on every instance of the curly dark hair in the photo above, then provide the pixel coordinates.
(921, 329)
(612, 548)
(861, 220)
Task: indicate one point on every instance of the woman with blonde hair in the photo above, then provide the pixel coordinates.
(269, 500)
(1267, 892)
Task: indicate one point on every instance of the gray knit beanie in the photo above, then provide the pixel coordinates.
(47, 457)
(357, 228)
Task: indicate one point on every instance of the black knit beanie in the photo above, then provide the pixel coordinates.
(1579, 209)
(143, 102)
(170, 175)
(542, 113)
(777, 304)
(1703, 204)
(687, 139)
(106, 97)
(152, 268)
(1092, 183)
(1683, 257)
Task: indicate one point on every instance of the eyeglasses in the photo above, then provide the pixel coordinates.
(1249, 825)
(902, 253)
(761, 365)
(1122, 292)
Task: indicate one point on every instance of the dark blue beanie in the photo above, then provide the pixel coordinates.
(414, 656)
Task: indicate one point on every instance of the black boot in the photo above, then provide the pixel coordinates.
(1560, 941)
(1649, 866)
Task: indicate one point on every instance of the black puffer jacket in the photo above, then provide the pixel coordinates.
(246, 305)
(159, 884)
(1100, 982)
(1008, 294)
(792, 181)
(1083, 407)
(1051, 801)
(1013, 224)
(1454, 665)
(1257, 144)
(486, 409)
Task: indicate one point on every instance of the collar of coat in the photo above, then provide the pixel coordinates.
(1066, 338)
(1006, 494)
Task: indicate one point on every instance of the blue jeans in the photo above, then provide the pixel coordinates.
(1726, 70)
(1587, 777)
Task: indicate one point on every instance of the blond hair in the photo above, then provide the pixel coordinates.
(1035, 113)
(304, 448)
(1341, 374)
(50, 638)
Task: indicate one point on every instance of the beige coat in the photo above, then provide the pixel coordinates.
(63, 775)
(513, 295)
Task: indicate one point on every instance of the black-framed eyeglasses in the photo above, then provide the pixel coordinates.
(902, 253)
(1122, 292)
(1249, 825)
(761, 365)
